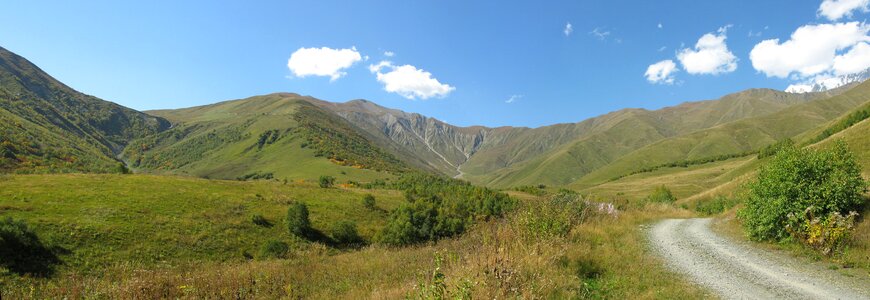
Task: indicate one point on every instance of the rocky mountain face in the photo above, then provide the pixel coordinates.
(506, 156)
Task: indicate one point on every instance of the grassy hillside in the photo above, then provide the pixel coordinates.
(734, 137)
(46, 126)
(124, 238)
(278, 135)
(620, 133)
(148, 221)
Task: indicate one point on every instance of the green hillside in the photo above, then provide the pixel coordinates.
(605, 139)
(45, 126)
(272, 136)
(735, 137)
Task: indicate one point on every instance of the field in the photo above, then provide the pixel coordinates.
(162, 236)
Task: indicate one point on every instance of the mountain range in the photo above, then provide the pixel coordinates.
(46, 126)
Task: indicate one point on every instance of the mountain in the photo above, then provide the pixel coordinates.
(821, 85)
(46, 126)
(736, 137)
(556, 154)
(272, 136)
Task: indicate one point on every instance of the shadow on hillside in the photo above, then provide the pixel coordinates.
(23, 253)
(318, 236)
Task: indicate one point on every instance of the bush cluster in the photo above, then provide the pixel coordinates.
(797, 184)
(439, 207)
(297, 219)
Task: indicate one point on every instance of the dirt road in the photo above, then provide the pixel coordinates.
(735, 270)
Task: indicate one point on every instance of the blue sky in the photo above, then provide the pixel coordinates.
(468, 57)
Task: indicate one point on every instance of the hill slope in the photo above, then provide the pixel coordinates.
(47, 126)
(556, 154)
(735, 137)
(277, 135)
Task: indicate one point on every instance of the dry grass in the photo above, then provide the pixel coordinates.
(604, 257)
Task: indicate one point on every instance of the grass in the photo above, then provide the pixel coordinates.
(159, 221)
(174, 237)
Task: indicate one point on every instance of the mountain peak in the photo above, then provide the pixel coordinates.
(825, 84)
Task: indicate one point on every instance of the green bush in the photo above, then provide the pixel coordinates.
(661, 195)
(801, 182)
(344, 232)
(774, 148)
(555, 216)
(716, 205)
(369, 202)
(274, 249)
(439, 207)
(327, 181)
(22, 252)
(297, 219)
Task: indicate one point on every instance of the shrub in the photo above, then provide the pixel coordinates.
(259, 220)
(297, 219)
(344, 232)
(555, 216)
(824, 235)
(774, 148)
(274, 249)
(716, 205)
(661, 195)
(22, 252)
(369, 202)
(326, 181)
(798, 183)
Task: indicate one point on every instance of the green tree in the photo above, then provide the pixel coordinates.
(369, 202)
(327, 181)
(801, 182)
(345, 232)
(297, 219)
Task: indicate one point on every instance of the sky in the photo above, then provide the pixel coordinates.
(492, 63)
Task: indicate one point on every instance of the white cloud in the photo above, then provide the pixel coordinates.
(322, 62)
(660, 26)
(409, 82)
(513, 98)
(600, 33)
(661, 72)
(389, 53)
(813, 50)
(568, 29)
(710, 56)
(663, 48)
(854, 61)
(837, 9)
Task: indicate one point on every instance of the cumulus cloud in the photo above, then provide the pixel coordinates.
(389, 53)
(513, 98)
(837, 9)
(814, 50)
(568, 29)
(408, 81)
(661, 72)
(710, 55)
(322, 62)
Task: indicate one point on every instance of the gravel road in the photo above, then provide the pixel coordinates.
(736, 270)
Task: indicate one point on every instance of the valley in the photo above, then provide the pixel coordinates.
(284, 195)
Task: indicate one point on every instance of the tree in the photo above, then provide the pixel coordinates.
(799, 183)
(344, 232)
(369, 202)
(297, 219)
(327, 181)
